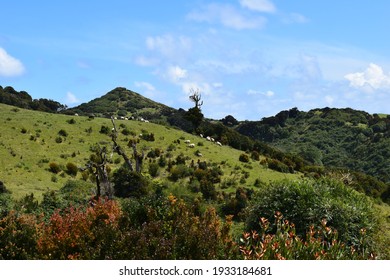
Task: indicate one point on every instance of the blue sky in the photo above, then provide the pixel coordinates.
(249, 58)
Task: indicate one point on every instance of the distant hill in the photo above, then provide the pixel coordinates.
(122, 102)
(22, 99)
(343, 138)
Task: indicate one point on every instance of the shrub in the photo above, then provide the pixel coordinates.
(129, 183)
(153, 169)
(104, 129)
(58, 139)
(71, 121)
(18, 236)
(54, 167)
(23, 130)
(244, 158)
(63, 133)
(277, 165)
(71, 169)
(308, 201)
(81, 234)
(320, 243)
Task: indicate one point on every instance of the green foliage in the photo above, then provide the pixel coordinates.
(308, 201)
(63, 133)
(104, 129)
(244, 158)
(18, 236)
(129, 183)
(320, 243)
(154, 169)
(71, 169)
(54, 167)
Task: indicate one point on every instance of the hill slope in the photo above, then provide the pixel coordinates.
(31, 140)
(343, 138)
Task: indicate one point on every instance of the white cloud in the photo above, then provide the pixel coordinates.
(228, 16)
(10, 66)
(168, 45)
(146, 61)
(268, 93)
(372, 78)
(71, 98)
(176, 73)
(329, 100)
(259, 5)
(295, 18)
(145, 85)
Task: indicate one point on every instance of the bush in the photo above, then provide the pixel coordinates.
(244, 158)
(153, 169)
(71, 169)
(54, 167)
(63, 133)
(18, 236)
(104, 129)
(320, 243)
(277, 165)
(306, 202)
(59, 140)
(129, 183)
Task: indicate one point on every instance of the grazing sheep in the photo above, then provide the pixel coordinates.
(187, 141)
(201, 135)
(218, 143)
(192, 145)
(208, 138)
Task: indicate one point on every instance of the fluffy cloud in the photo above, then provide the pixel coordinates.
(373, 78)
(71, 98)
(228, 16)
(176, 73)
(9, 66)
(259, 5)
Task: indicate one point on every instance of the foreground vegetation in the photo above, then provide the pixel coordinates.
(65, 225)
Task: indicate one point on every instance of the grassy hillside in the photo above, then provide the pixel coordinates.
(31, 140)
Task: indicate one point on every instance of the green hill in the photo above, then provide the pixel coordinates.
(31, 140)
(336, 138)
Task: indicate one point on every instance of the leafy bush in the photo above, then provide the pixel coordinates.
(277, 165)
(63, 133)
(54, 167)
(244, 158)
(308, 201)
(153, 169)
(129, 183)
(18, 236)
(81, 234)
(71, 169)
(320, 243)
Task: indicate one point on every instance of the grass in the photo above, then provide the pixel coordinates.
(29, 142)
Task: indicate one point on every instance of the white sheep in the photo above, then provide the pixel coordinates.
(187, 141)
(192, 145)
(208, 138)
(218, 143)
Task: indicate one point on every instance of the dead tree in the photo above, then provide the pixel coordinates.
(97, 165)
(195, 97)
(118, 149)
